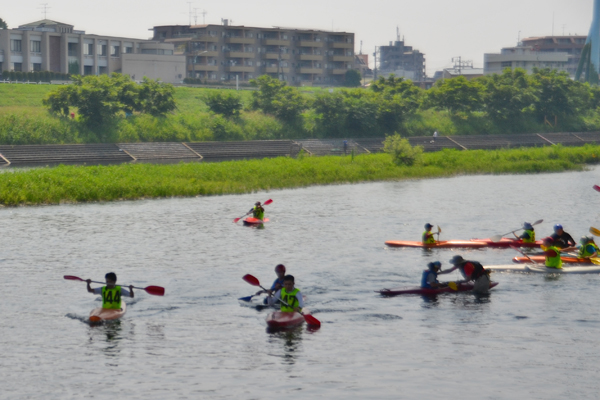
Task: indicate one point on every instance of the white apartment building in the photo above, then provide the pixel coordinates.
(48, 45)
(524, 57)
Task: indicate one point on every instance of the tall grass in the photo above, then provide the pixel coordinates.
(135, 181)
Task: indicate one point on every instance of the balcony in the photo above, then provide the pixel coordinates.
(275, 70)
(205, 38)
(339, 71)
(311, 70)
(202, 67)
(306, 43)
(239, 54)
(201, 53)
(310, 57)
(276, 42)
(342, 45)
(275, 56)
(239, 69)
(343, 58)
(240, 40)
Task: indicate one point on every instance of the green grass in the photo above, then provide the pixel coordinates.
(136, 181)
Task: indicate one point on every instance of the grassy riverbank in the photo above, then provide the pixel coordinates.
(136, 181)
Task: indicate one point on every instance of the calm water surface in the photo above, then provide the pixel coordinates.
(533, 337)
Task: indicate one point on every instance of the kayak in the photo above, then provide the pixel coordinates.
(461, 287)
(251, 221)
(443, 244)
(539, 268)
(507, 242)
(107, 314)
(280, 319)
(565, 259)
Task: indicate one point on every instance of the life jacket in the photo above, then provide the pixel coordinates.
(424, 283)
(553, 262)
(290, 299)
(531, 234)
(111, 298)
(258, 212)
(476, 271)
(428, 238)
(583, 250)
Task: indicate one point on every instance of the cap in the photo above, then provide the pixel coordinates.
(257, 203)
(428, 226)
(548, 240)
(527, 225)
(557, 227)
(457, 259)
(280, 267)
(435, 264)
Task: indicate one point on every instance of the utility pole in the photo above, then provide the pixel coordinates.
(190, 12)
(203, 17)
(375, 64)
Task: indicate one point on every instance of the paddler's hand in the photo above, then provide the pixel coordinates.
(88, 281)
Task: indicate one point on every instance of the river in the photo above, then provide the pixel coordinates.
(534, 336)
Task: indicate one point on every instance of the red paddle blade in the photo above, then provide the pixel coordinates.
(251, 280)
(266, 203)
(236, 220)
(597, 188)
(155, 290)
(310, 320)
(72, 278)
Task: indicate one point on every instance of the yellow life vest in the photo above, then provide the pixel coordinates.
(428, 239)
(583, 253)
(290, 299)
(111, 298)
(531, 234)
(554, 262)
(258, 212)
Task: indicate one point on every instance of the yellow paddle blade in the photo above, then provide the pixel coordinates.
(595, 260)
(440, 230)
(594, 231)
(453, 285)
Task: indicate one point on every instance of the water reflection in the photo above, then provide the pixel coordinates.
(291, 340)
(109, 334)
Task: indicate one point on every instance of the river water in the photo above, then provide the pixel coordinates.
(534, 336)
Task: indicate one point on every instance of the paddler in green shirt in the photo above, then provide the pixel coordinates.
(258, 211)
(111, 293)
(427, 236)
(552, 253)
(528, 235)
(290, 295)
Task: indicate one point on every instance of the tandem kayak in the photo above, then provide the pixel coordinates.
(107, 314)
(443, 244)
(280, 319)
(542, 259)
(507, 242)
(250, 221)
(461, 287)
(540, 268)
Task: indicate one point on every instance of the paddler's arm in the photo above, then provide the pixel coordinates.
(131, 290)
(89, 289)
(300, 302)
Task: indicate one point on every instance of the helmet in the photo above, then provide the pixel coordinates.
(280, 267)
(557, 227)
(428, 226)
(456, 260)
(527, 225)
(436, 265)
(257, 203)
(585, 239)
(548, 240)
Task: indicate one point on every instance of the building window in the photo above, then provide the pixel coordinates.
(18, 67)
(88, 49)
(114, 51)
(36, 46)
(88, 70)
(102, 70)
(506, 64)
(72, 50)
(102, 50)
(15, 45)
(37, 67)
(128, 50)
(1, 69)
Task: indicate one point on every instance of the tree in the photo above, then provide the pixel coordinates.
(352, 78)
(226, 103)
(401, 151)
(276, 98)
(156, 98)
(3, 24)
(398, 99)
(457, 95)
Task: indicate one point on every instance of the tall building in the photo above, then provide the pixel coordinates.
(402, 60)
(525, 57)
(589, 65)
(571, 45)
(48, 45)
(227, 52)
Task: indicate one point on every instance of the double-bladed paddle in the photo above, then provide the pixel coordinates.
(266, 203)
(310, 320)
(497, 238)
(153, 290)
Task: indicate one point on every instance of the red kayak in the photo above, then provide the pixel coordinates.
(461, 287)
(280, 319)
(107, 314)
(443, 244)
(507, 242)
(251, 221)
(542, 259)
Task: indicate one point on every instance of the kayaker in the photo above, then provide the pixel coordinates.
(291, 295)
(471, 271)
(277, 284)
(427, 236)
(587, 249)
(258, 211)
(552, 253)
(429, 278)
(528, 235)
(561, 238)
(111, 293)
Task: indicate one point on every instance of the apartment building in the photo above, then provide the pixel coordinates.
(402, 60)
(48, 45)
(571, 45)
(228, 53)
(525, 57)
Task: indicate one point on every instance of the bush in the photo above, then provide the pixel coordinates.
(401, 151)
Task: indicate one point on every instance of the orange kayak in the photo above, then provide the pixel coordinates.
(281, 319)
(107, 314)
(251, 221)
(443, 244)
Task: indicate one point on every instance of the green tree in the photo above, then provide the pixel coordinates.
(401, 151)
(156, 98)
(226, 103)
(3, 24)
(457, 95)
(352, 78)
(398, 100)
(276, 98)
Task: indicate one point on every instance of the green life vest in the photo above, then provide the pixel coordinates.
(428, 239)
(531, 234)
(554, 262)
(289, 298)
(258, 212)
(583, 253)
(111, 298)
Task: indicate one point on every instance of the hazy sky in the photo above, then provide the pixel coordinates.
(440, 29)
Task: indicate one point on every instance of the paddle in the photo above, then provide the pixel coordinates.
(519, 250)
(153, 290)
(266, 203)
(497, 238)
(453, 285)
(310, 320)
(438, 232)
(597, 188)
(594, 231)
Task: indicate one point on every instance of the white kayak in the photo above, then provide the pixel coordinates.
(539, 268)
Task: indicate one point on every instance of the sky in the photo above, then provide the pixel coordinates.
(442, 30)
